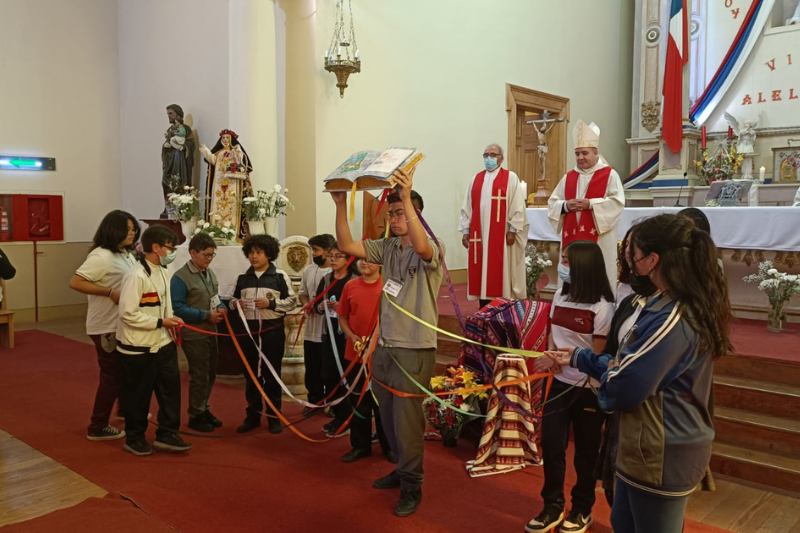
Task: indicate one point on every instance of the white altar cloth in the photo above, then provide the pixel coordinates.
(736, 228)
(229, 263)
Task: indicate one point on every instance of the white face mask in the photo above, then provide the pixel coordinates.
(169, 258)
(563, 273)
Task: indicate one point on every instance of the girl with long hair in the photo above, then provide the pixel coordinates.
(660, 379)
(580, 315)
(100, 277)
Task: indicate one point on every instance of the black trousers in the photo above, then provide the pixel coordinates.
(361, 423)
(577, 408)
(312, 357)
(273, 343)
(144, 374)
(331, 376)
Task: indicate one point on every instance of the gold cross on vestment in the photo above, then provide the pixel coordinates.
(498, 198)
(475, 240)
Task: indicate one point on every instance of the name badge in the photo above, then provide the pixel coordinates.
(215, 302)
(392, 287)
(249, 305)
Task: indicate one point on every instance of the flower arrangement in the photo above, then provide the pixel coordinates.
(235, 168)
(442, 417)
(186, 206)
(722, 165)
(254, 207)
(792, 159)
(779, 287)
(535, 263)
(276, 203)
(223, 233)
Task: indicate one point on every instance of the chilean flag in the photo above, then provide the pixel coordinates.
(677, 57)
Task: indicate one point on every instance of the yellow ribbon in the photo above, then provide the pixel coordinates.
(353, 201)
(515, 351)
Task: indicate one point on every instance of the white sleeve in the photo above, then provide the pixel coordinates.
(466, 210)
(608, 210)
(517, 217)
(95, 267)
(211, 158)
(555, 205)
(604, 312)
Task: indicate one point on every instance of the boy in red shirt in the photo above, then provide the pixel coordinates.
(358, 313)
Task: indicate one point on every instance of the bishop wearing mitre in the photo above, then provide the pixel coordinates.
(588, 201)
(495, 229)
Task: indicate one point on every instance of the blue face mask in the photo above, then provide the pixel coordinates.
(490, 163)
(563, 273)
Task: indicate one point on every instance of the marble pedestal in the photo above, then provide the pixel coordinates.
(293, 370)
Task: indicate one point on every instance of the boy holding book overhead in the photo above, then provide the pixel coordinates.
(265, 295)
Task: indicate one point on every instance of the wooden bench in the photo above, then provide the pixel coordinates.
(6, 320)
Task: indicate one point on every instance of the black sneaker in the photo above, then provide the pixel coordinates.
(547, 520)
(275, 426)
(139, 448)
(408, 502)
(171, 443)
(249, 424)
(355, 454)
(576, 522)
(392, 481)
(327, 427)
(213, 420)
(107, 433)
(200, 423)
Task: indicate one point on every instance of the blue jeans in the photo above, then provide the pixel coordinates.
(639, 511)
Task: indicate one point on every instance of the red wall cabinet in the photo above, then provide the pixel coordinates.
(37, 217)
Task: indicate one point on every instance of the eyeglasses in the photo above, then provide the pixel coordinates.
(170, 248)
(491, 154)
(395, 214)
(209, 256)
(337, 256)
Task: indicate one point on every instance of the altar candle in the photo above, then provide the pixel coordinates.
(761, 172)
(703, 133)
(730, 132)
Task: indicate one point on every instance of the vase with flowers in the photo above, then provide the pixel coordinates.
(185, 209)
(779, 287)
(441, 416)
(535, 263)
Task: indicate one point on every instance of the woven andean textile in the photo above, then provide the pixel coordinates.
(521, 324)
(509, 440)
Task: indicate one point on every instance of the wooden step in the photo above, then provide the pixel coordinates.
(756, 466)
(757, 431)
(772, 399)
(758, 368)
(442, 363)
(450, 324)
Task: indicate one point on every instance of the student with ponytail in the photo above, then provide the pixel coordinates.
(661, 376)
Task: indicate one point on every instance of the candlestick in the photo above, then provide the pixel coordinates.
(703, 141)
(761, 172)
(730, 132)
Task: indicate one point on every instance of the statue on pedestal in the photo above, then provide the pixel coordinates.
(229, 169)
(745, 143)
(177, 154)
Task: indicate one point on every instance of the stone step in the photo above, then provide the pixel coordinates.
(773, 399)
(758, 368)
(756, 466)
(757, 431)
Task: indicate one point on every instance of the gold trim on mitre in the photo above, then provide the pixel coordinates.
(586, 135)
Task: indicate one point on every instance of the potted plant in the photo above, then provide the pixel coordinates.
(223, 234)
(440, 415)
(780, 287)
(186, 209)
(276, 204)
(254, 209)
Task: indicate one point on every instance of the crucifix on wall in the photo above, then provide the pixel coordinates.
(543, 127)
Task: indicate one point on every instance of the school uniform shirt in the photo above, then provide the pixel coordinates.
(333, 295)
(315, 323)
(106, 269)
(272, 284)
(575, 324)
(359, 304)
(144, 303)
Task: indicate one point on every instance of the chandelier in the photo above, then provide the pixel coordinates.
(341, 57)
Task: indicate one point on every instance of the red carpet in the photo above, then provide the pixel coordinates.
(257, 482)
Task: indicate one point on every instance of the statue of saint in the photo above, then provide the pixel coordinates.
(177, 153)
(228, 182)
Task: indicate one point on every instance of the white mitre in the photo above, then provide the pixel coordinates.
(586, 135)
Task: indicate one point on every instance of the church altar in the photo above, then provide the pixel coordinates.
(744, 235)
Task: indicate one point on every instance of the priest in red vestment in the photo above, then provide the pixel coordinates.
(495, 230)
(587, 203)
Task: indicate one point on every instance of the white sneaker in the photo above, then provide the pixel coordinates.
(576, 523)
(545, 522)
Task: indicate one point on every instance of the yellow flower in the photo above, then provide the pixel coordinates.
(468, 376)
(436, 382)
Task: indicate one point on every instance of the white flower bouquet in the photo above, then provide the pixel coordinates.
(535, 263)
(223, 233)
(186, 205)
(779, 287)
(275, 202)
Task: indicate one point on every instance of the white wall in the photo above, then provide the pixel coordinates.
(59, 76)
(433, 77)
(171, 52)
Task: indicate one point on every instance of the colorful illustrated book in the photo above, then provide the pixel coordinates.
(371, 170)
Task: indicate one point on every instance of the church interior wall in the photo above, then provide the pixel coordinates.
(433, 77)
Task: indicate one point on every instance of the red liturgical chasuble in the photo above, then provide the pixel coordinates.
(497, 236)
(585, 229)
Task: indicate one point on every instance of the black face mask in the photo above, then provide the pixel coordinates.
(642, 285)
(319, 260)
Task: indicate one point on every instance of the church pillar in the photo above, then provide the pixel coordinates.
(252, 80)
(300, 130)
